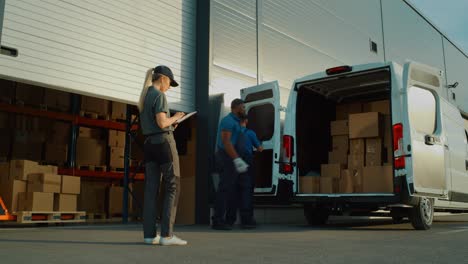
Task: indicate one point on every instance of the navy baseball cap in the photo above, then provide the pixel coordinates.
(164, 70)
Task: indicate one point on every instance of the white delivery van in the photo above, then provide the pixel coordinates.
(428, 158)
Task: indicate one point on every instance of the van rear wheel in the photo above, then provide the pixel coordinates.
(316, 216)
(422, 215)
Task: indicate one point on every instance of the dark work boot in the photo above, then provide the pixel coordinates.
(251, 224)
(221, 226)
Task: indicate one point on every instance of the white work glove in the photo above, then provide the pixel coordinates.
(240, 165)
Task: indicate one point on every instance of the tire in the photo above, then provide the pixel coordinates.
(422, 215)
(316, 217)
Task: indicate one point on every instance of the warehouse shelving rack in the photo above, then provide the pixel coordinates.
(76, 121)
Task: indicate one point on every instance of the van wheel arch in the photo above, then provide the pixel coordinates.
(422, 215)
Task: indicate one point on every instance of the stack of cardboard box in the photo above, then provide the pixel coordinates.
(119, 111)
(56, 147)
(116, 143)
(92, 198)
(95, 105)
(90, 147)
(57, 100)
(27, 186)
(115, 201)
(187, 163)
(361, 145)
(29, 137)
(67, 199)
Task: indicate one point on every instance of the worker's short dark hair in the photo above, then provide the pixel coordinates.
(236, 102)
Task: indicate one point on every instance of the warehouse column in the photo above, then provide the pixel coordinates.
(75, 106)
(126, 166)
(202, 213)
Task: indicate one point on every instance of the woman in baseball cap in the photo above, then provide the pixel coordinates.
(161, 157)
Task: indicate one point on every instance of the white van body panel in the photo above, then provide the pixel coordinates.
(274, 142)
(456, 153)
(421, 119)
(435, 170)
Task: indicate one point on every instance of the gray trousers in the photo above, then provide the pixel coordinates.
(161, 159)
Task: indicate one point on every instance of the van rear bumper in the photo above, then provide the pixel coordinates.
(348, 200)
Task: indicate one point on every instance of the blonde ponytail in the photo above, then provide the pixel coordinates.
(148, 82)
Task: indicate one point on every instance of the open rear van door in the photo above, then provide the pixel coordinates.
(419, 140)
(263, 110)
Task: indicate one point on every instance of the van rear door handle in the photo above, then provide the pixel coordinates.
(429, 140)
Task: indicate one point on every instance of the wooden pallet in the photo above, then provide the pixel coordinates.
(93, 216)
(94, 115)
(22, 104)
(28, 217)
(49, 163)
(55, 108)
(119, 120)
(92, 167)
(116, 169)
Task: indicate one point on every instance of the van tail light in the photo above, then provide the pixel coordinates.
(398, 146)
(338, 70)
(288, 151)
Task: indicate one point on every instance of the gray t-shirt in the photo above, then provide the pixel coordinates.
(155, 102)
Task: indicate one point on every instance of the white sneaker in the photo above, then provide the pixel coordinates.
(172, 241)
(153, 241)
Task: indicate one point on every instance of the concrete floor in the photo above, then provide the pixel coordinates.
(342, 241)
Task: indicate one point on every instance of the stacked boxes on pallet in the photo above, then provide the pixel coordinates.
(92, 198)
(115, 201)
(116, 144)
(187, 163)
(96, 106)
(56, 147)
(119, 111)
(361, 152)
(90, 147)
(67, 200)
(27, 186)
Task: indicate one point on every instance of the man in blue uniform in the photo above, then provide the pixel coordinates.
(245, 186)
(232, 164)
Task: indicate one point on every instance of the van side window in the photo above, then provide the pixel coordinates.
(422, 110)
(262, 121)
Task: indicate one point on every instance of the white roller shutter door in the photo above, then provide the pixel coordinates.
(101, 48)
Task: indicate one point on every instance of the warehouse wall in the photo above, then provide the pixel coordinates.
(409, 37)
(233, 46)
(303, 37)
(295, 38)
(101, 48)
(456, 71)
